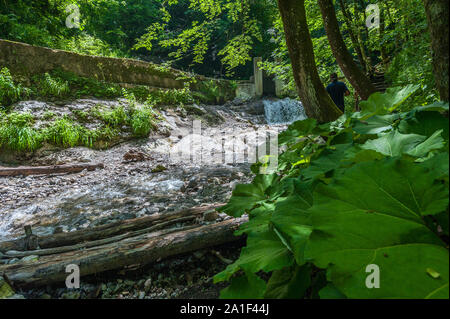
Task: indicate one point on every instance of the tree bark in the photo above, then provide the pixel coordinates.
(353, 37)
(355, 76)
(315, 99)
(383, 51)
(437, 12)
(37, 170)
(128, 253)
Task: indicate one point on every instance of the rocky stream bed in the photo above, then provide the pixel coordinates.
(131, 187)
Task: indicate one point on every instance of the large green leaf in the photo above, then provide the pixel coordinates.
(436, 106)
(330, 292)
(373, 213)
(264, 251)
(292, 221)
(289, 283)
(424, 123)
(396, 144)
(376, 124)
(438, 166)
(249, 286)
(384, 103)
(328, 160)
(297, 130)
(247, 196)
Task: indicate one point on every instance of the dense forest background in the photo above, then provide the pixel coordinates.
(220, 38)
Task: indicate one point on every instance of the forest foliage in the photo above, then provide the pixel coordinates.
(370, 188)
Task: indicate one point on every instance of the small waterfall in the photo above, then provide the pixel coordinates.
(283, 111)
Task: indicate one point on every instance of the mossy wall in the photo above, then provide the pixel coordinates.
(28, 60)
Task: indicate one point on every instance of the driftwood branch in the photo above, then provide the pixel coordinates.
(142, 249)
(38, 170)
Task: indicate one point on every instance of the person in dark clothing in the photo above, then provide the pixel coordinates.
(337, 90)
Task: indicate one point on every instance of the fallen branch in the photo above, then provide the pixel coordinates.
(141, 250)
(38, 170)
(104, 231)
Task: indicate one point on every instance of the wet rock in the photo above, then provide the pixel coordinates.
(13, 261)
(148, 284)
(30, 258)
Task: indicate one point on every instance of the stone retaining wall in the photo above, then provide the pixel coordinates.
(27, 60)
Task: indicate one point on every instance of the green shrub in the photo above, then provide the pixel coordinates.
(53, 86)
(9, 91)
(116, 117)
(171, 97)
(64, 132)
(143, 121)
(17, 133)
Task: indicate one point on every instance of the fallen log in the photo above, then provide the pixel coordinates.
(140, 250)
(38, 170)
(84, 245)
(104, 231)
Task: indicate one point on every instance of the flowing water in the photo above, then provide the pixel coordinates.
(128, 190)
(283, 111)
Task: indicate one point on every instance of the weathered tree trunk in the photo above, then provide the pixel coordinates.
(355, 76)
(437, 12)
(37, 170)
(131, 252)
(353, 37)
(106, 231)
(361, 25)
(313, 95)
(383, 51)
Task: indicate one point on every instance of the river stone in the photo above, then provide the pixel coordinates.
(14, 260)
(30, 258)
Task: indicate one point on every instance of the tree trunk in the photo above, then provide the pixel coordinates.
(383, 52)
(437, 15)
(351, 71)
(353, 37)
(313, 95)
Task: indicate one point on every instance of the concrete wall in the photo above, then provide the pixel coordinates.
(27, 60)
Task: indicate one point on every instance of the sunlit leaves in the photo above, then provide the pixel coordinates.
(383, 103)
(396, 144)
(247, 196)
(380, 185)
